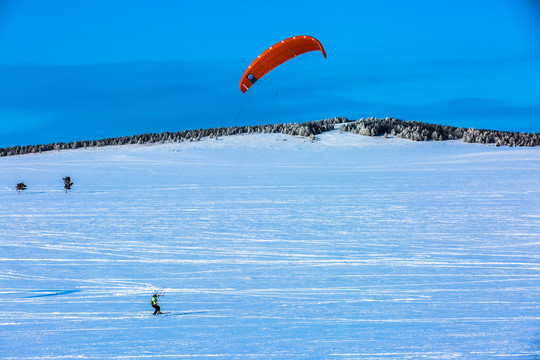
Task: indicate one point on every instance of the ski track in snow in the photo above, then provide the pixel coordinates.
(272, 247)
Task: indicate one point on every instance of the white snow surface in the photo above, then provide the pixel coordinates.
(270, 246)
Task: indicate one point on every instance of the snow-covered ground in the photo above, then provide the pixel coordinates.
(272, 247)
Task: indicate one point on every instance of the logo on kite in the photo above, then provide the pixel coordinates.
(251, 78)
(276, 55)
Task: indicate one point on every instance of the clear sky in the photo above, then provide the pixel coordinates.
(74, 70)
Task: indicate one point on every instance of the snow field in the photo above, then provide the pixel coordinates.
(272, 247)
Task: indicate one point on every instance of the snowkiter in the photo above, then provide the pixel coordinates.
(155, 305)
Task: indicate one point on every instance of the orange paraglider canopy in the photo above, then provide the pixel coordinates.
(276, 55)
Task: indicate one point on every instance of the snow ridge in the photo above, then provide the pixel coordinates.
(411, 130)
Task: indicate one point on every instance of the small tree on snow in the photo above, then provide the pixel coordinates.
(67, 183)
(20, 187)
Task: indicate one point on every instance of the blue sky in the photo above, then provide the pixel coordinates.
(74, 70)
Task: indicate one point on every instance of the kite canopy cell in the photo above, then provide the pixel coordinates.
(276, 55)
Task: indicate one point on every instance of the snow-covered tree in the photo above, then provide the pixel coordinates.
(20, 187)
(67, 183)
